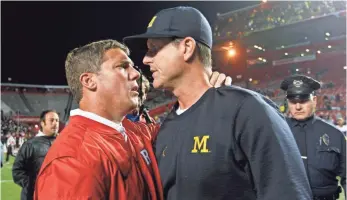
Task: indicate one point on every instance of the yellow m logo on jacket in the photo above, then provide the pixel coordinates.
(200, 145)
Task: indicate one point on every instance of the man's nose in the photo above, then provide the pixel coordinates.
(147, 60)
(134, 74)
(298, 106)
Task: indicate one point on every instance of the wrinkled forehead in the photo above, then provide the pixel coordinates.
(117, 56)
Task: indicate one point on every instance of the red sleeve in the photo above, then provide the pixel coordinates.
(148, 131)
(67, 178)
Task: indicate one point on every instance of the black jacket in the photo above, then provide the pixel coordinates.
(231, 144)
(323, 151)
(28, 162)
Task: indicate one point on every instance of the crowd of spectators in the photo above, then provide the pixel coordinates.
(269, 15)
(13, 134)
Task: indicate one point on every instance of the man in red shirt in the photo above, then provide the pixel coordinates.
(95, 157)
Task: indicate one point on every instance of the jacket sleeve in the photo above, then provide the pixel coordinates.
(342, 166)
(151, 130)
(67, 178)
(20, 169)
(147, 131)
(269, 154)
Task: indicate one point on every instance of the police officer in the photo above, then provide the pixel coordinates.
(322, 146)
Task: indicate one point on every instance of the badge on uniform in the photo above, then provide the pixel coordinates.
(325, 139)
(298, 83)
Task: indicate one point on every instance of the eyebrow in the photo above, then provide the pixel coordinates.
(126, 62)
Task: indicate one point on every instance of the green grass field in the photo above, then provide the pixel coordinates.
(11, 191)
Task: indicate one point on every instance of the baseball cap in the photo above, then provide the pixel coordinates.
(173, 22)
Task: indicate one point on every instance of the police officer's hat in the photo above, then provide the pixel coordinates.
(299, 86)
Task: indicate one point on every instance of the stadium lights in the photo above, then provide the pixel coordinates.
(264, 1)
(345, 67)
(297, 70)
(307, 50)
(264, 60)
(326, 38)
(318, 52)
(327, 34)
(329, 46)
(260, 58)
(286, 53)
(302, 54)
(260, 48)
(231, 52)
(263, 49)
(250, 80)
(255, 46)
(282, 46)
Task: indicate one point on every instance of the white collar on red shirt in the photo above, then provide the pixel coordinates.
(118, 126)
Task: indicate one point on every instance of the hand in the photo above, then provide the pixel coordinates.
(217, 79)
(143, 119)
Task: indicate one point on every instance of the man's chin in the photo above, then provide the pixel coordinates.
(134, 103)
(300, 117)
(157, 84)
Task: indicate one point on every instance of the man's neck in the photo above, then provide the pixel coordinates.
(100, 110)
(191, 87)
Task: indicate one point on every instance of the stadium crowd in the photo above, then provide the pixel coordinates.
(271, 15)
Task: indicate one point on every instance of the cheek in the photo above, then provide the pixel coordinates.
(113, 84)
(291, 107)
(166, 63)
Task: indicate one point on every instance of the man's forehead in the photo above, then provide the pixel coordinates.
(52, 115)
(118, 56)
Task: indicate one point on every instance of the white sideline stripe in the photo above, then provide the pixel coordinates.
(4, 181)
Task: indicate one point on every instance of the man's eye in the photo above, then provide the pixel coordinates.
(123, 65)
(152, 51)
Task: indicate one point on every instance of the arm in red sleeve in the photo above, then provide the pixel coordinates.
(67, 178)
(148, 131)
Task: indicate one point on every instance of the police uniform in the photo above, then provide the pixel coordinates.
(322, 146)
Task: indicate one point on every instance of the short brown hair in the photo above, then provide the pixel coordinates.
(203, 51)
(87, 58)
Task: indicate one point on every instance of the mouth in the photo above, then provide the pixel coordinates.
(135, 90)
(154, 73)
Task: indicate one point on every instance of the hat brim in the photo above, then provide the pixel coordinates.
(140, 41)
(298, 96)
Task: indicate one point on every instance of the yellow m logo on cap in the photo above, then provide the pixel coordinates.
(200, 145)
(151, 22)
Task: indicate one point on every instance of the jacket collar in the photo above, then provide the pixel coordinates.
(39, 134)
(118, 126)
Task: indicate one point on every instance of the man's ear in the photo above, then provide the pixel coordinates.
(88, 80)
(42, 123)
(189, 46)
(314, 100)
